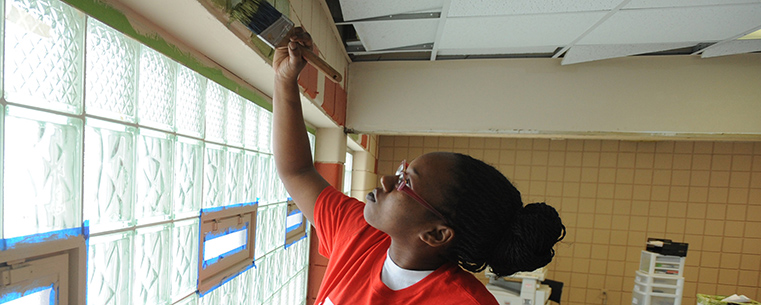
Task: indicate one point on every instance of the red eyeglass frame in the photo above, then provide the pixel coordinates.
(403, 186)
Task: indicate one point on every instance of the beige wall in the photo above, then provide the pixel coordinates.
(613, 195)
(639, 95)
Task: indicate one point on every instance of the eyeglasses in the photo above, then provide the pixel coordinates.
(403, 185)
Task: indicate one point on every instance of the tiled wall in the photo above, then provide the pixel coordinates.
(612, 195)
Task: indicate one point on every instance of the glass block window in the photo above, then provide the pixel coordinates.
(44, 54)
(112, 69)
(109, 175)
(151, 265)
(109, 267)
(183, 273)
(216, 104)
(99, 130)
(154, 176)
(188, 175)
(191, 102)
(214, 176)
(236, 114)
(158, 75)
(43, 168)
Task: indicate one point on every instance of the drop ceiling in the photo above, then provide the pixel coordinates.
(576, 31)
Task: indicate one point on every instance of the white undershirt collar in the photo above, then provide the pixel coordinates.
(398, 278)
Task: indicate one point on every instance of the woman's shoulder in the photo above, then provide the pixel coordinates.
(465, 286)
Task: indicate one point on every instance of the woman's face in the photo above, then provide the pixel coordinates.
(397, 213)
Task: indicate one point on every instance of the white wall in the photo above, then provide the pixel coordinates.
(685, 95)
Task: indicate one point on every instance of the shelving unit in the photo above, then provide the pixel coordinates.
(659, 280)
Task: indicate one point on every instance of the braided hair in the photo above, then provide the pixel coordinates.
(492, 226)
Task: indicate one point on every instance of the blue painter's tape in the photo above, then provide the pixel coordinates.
(226, 279)
(11, 243)
(86, 232)
(291, 228)
(217, 209)
(15, 295)
(54, 295)
(86, 229)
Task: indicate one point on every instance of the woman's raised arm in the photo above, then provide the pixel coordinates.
(293, 157)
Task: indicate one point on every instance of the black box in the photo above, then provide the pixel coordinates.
(666, 247)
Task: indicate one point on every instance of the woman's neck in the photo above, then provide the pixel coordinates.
(414, 256)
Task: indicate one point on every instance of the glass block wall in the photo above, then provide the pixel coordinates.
(102, 131)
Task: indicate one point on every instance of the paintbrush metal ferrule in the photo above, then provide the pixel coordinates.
(276, 34)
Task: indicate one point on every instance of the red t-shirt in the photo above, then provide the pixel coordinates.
(357, 252)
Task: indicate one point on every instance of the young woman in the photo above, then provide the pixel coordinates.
(440, 214)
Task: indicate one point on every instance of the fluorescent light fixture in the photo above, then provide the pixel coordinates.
(218, 246)
(754, 35)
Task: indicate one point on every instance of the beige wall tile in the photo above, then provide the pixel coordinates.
(400, 141)
(741, 163)
(753, 229)
(754, 196)
(417, 141)
(738, 195)
(431, 141)
(703, 147)
(721, 162)
(708, 275)
(733, 228)
(684, 147)
(714, 227)
(675, 225)
(739, 179)
(701, 162)
(748, 278)
(728, 276)
(730, 261)
(679, 193)
(742, 148)
(732, 245)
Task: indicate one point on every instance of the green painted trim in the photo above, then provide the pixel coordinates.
(116, 19)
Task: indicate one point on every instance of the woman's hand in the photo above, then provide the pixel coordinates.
(288, 61)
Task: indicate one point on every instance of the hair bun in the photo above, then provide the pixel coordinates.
(529, 242)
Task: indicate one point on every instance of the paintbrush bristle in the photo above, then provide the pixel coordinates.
(257, 15)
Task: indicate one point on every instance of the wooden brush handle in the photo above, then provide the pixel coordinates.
(320, 64)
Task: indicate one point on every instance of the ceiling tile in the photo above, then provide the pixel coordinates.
(471, 8)
(362, 9)
(732, 47)
(585, 53)
(516, 31)
(689, 24)
(638, 4)
(382, 35)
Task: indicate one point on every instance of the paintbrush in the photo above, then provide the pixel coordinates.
(275, 30)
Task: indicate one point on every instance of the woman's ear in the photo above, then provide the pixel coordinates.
(438, 236)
